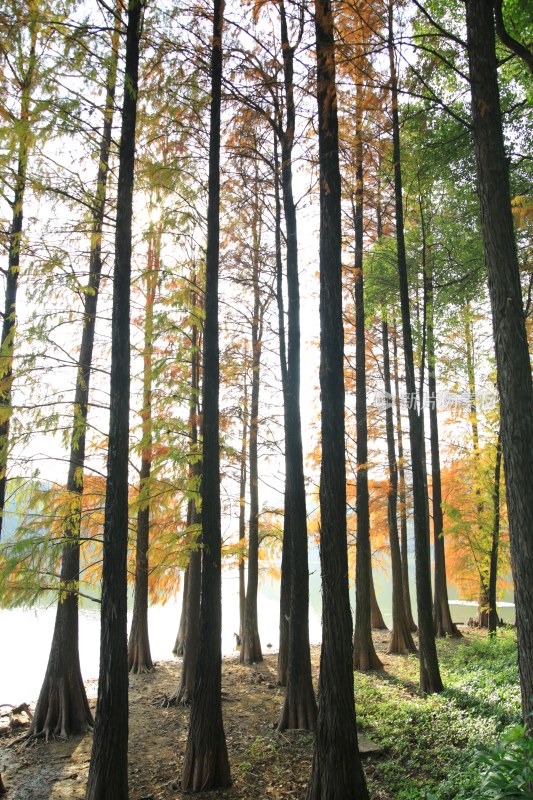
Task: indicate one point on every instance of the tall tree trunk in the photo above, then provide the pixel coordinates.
(205, 764)
(62, 708)
(179, 644)
(191, 605)
(108, 770)
(376, 617)
(493, 575)
(364, 654)
(430, 680)
(7, 344)
(299, 709)
(337, 771)
(422, 367)
(512, 353)
(242, 507)
(251, 643)
(471, 375)
(442, 617)
(401, 640)
(184, 691)
(139, 655)
(285, 583)
(483, 601)
(402, 494)
(192, 596)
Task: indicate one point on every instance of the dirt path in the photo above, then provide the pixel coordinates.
(264, 763)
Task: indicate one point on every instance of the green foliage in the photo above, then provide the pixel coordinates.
(506, 769)
(431, 743)
(260, 750)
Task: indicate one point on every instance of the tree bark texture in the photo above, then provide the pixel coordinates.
(242, 508)
(139, 655)
(251, 644)
(402, 494)
(285, 583)
(376, 617)
(184, 691)
(512, 354)
(192, 597)
(205, 764)
(108, 770)
(337, 771)
(482, 619)
(442, 618)
(299, 709)
(401, 640)
(493, 575)
(430, 680)
(364, 654)
(179, 644)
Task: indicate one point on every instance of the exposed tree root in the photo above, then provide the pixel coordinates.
(181, 697)
(141, 669)
(62, 709)
(140, 660)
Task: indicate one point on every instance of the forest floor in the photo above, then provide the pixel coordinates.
(417, 738)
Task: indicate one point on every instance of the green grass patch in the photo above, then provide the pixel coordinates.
(432, 743)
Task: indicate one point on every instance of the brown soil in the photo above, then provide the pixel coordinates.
(264, 763)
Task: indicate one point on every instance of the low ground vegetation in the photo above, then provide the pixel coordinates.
(464, 744)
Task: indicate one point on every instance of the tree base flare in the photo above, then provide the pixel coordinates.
(251, 652)
(401, 642)
(299, 711)
(365, 658)
(62, 710)
(205, 768)
(139, 655)
(181, 697)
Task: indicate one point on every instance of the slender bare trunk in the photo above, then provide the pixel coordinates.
(430, 680)
(139, 655)
(442, 618)
(337, 771)
(402, 494)
(299, 708)
(285, 583)
(364, 654)
(401, 640)
(242, 508)
(108, 770)
(251, 644)
(493, 576)
(206, 764)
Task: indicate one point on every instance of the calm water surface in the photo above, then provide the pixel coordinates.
(26, 634)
